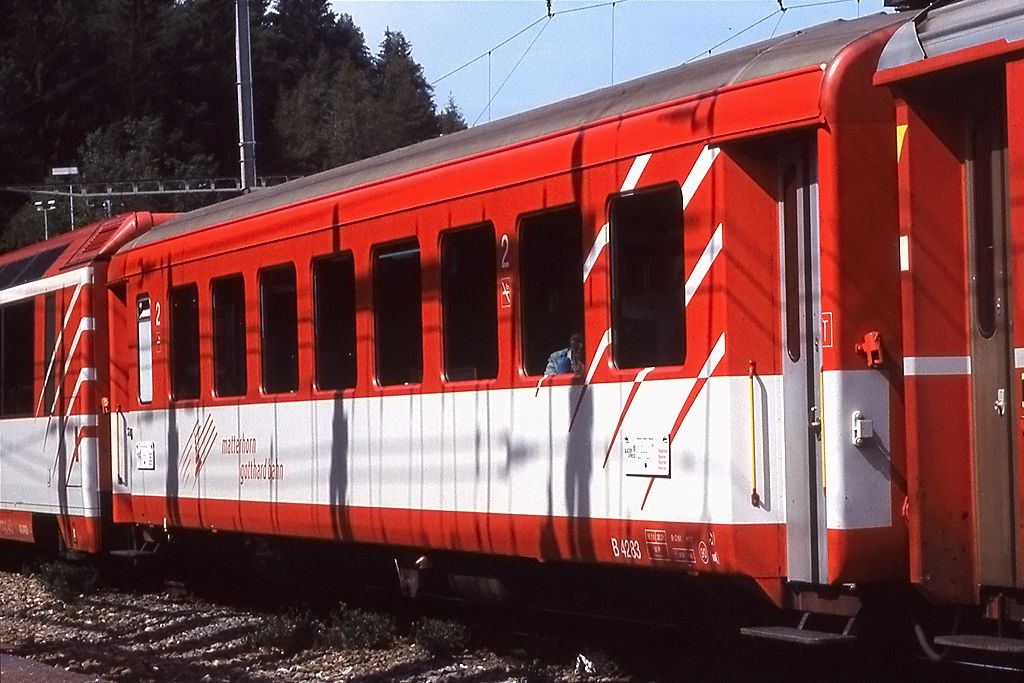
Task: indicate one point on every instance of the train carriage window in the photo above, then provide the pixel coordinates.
(50, 360)
(184, 304)
(981, 186)
(791, 182)
(17, 359)
(279, 329)
(469, 303)
(145, 326)
(398, 315)
(229, 368)
(551, 283)
(334, 321)
(648, 280)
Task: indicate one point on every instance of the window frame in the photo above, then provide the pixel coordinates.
(534, 362)
(627, 351)
(282, 379)
(230, 380)
(12, 403)
(409, 371)
(176, 359)
(458, 297)
(347, 375)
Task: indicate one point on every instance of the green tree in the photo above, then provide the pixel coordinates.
(408, 112)
(451, 120)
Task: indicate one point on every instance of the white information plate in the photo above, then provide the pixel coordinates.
(145, 455)
(647, 456)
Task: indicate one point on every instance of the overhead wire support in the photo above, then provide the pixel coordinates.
(550, 14)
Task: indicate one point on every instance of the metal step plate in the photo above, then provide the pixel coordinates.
(132, 554)
(800, 636)
(1010, 646)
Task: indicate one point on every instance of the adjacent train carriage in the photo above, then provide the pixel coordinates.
(958, 76)
(654, 326)
(54, 464)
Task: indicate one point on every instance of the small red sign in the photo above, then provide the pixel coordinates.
(826, 329)
(506, 292)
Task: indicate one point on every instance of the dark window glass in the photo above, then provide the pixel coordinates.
(279, 329)
(184, 302)
(17, 359)
(28, 268)
(791, 244)
(648, 278)
(334, 320)
(550, 284)
(984, 228)
(398, 316)
(50, 360)
(228, 299)
(469, 303)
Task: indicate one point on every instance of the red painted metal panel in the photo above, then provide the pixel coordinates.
(16, 526)
(1015, 163)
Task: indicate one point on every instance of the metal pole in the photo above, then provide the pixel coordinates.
(243, 66)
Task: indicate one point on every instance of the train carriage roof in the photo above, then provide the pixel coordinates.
(946, 29)
(72, 249)
(810, 47)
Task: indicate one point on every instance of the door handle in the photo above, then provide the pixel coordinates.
(1000, 404)
(815, 422)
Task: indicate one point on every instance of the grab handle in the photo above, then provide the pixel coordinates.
(755, 498)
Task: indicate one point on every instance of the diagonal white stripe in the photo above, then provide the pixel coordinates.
(698, 172)
(700, 270)
(86, 375)
(606, 341)
(601, 241)
(595, 251)
(635, 171)
(57, 343)
(84, 325)
(717, 354)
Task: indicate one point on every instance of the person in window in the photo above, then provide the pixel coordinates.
(567, 361)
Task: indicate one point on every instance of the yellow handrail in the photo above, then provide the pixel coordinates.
(755, 499)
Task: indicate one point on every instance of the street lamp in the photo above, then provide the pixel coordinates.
(46, 208)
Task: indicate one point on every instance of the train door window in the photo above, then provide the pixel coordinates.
(398, 314)
(144, 318)
(648, 280)
(334, 321)
(551, 283)
(469, 303)
(184, 304)
(50, 360)
(279, 329)
(227, 296)
(17, 358)
(791, 182)
(983, 215)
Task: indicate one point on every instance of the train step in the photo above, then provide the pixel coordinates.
(133, 553)
(800, 635)
(1009, 646)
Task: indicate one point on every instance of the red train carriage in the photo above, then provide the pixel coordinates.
(361, 355)
(958, 76)
(54, 467)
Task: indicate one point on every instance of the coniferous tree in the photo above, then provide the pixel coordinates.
(130, 90)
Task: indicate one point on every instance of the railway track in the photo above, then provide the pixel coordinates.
(155, 625)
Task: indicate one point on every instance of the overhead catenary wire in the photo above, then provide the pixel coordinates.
(550, 14)
(490, 99)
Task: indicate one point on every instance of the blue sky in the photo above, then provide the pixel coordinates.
(574, 51)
